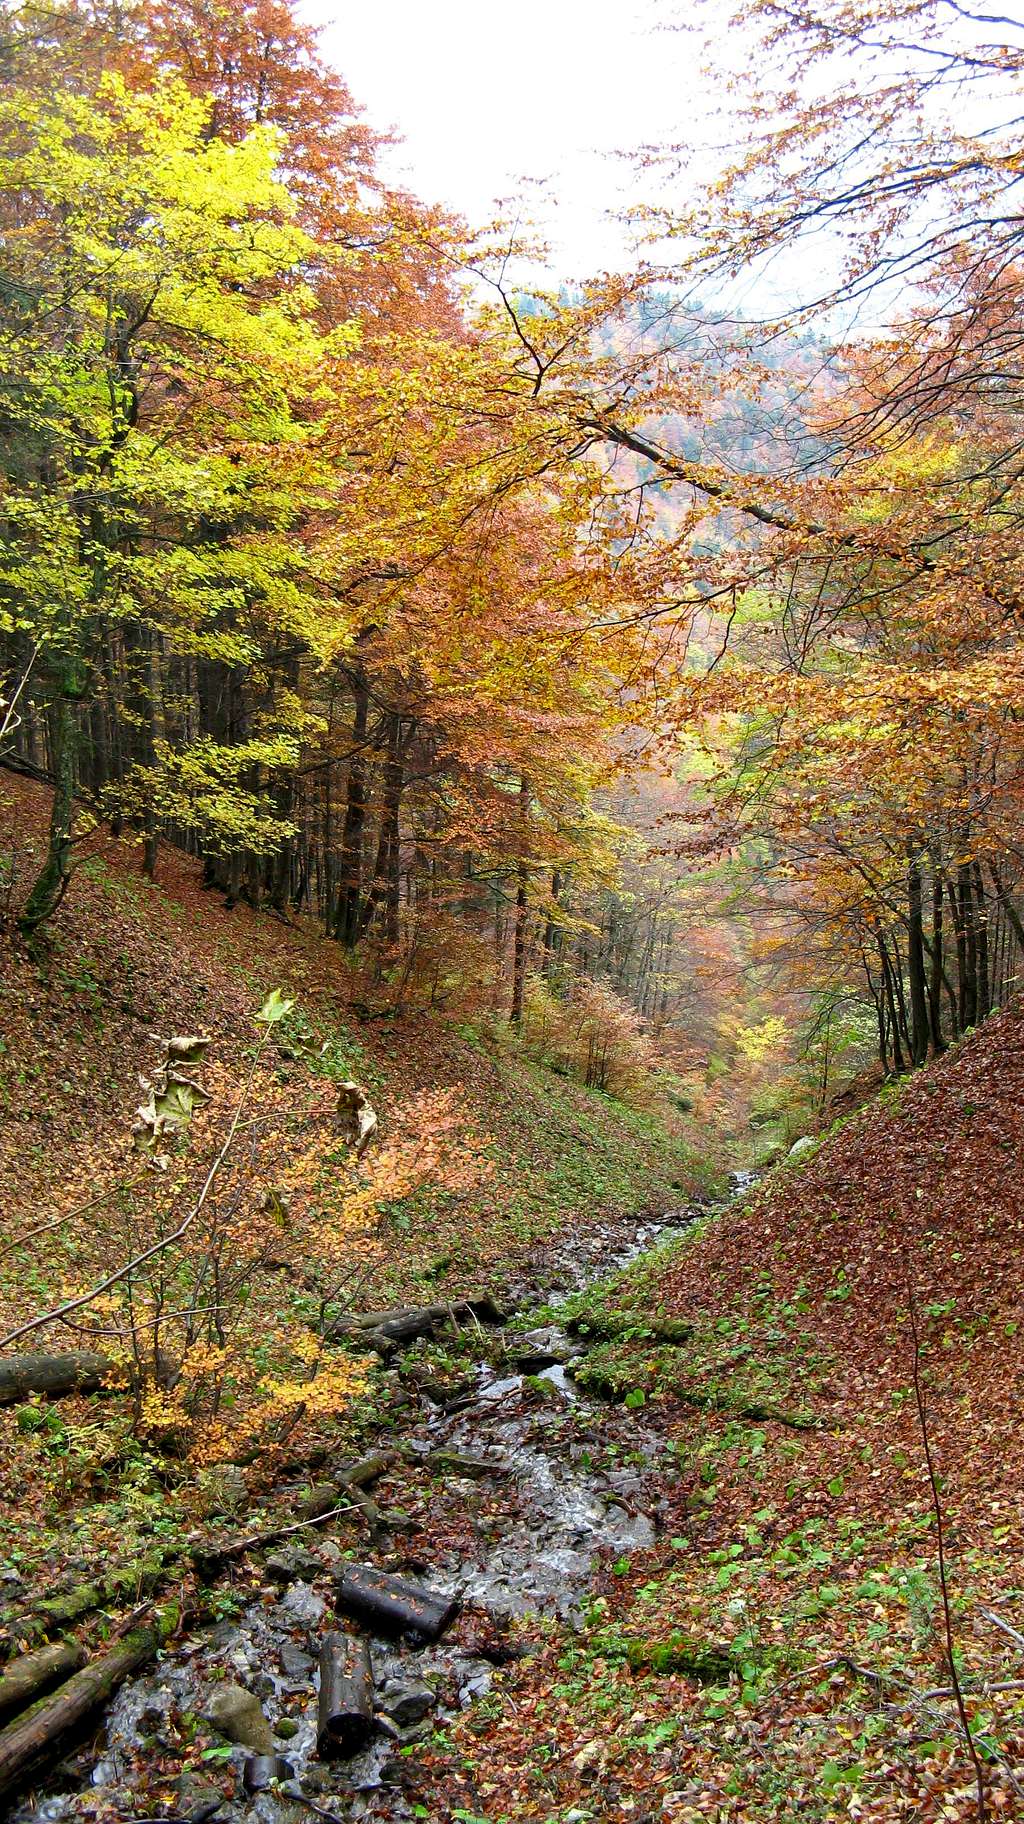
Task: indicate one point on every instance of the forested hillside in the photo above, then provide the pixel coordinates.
(495, 770)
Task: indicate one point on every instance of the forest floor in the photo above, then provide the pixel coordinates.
(129, 961)
(720, 1509)
(781, 1650)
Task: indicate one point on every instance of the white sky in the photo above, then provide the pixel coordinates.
(486, 96)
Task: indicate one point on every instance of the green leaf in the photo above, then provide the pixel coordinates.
(636, 1399)
(836, 1485)
(276, 1007)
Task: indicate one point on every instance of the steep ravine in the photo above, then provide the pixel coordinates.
(544, 1501)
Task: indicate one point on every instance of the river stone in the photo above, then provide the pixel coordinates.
(238, 1714)
(292, 1564)
(199, 1798)
(226, 1488)
(294, 1662)
(543, 1348)
(407, 1701)
(303, 1605)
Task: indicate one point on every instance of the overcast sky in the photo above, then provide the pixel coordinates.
(486, 96)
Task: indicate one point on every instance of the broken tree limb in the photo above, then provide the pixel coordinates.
(30, 1742)
(357, 1118)
(263, 1771)
(25, 1677)
(78, 1371)
(394, 1605)
(367, 1507)
(208, 1558)
(58, 1312)
(345, 1719)
(366, 1469)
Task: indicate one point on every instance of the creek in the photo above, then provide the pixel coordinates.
(534, 1523)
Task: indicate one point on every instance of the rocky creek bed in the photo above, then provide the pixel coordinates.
(506, 1495)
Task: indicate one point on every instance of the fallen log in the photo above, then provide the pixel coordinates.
(366, 1469)
(345, 1719)
(383, 1331)
(127, 1583)
(34, 1738)
(393, 1605)
(365, 1505)
(25, 1677)
(262, 1771)
(79, 1371)
(208, 1559)
(141, 1577)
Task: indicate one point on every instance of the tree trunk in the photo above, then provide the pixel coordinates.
(984, 973)
(919, 1022)
(349, 906)
(935, 980)
(35, 1738)
(519, 934)
(887, 979)
(970, 973)
(51, 882)
(157, 732)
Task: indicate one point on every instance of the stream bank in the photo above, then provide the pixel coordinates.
(536, 1483)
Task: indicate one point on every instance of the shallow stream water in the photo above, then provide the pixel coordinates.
(533, 1551)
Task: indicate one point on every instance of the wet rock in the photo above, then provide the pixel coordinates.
(198, 1797)
(293, 1564)
(475, 1687)
(226, 1488)
(302, 1605)
(295, 1663)
(542, 1348)
(318, 1779)
(407, 1701)
(286, 1728)
(800, 1148)
(238, 1715)
(225, 1634)
(461, 1463)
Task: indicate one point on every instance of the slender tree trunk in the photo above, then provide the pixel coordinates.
(935, 979)
(919, 1023)
(51, 882)
(349, 907)
(969, 977)
(550, 927)
(887, 979)
(157, 731)
(386, 885)
(984, 974)
(519, 937)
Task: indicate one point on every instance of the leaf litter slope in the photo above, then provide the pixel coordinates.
(129, 962)
(780, 1652)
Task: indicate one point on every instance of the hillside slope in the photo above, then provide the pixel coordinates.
(484, 1158)
(782, 1651)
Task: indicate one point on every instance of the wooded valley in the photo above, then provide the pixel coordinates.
(512, 914)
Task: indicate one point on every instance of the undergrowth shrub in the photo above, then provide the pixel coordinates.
(212, 1271)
